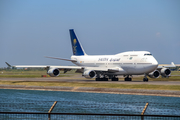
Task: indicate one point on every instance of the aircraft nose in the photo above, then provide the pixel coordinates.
(154, 62)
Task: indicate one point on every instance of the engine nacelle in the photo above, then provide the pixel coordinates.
(53, 72)
(154, 74)
(165, 72)
(89, 74)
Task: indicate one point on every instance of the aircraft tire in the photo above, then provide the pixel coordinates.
(105, 79)
(145, 79)
(101, 79)
(128, 79)
(115, 79)
(98, 79)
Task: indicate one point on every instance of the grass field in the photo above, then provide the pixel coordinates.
(95, 85)
(20, 73)
(38, 73)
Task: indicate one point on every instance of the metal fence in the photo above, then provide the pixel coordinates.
(81, 116)
(72, 110)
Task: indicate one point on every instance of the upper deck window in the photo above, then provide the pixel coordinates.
(148, 54)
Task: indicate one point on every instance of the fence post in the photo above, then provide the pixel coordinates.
(52, 107)
(142, 117)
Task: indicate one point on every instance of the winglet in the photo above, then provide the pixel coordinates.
(8, 64)
(172, 63)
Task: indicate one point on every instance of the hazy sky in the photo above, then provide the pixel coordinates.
(32, 29)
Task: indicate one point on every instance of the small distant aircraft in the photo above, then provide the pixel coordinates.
(103, 67)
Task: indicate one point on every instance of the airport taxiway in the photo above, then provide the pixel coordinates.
(84, 80)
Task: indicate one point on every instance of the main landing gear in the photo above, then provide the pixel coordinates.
(105, 78)
(102, 79)
(127, 78)
(115, 79)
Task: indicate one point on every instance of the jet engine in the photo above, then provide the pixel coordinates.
(165, 72)
(89, 74)
(53, 72)
(154, 74)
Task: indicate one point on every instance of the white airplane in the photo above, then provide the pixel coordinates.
(103, 67)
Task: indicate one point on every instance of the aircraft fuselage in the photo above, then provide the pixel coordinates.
(132, 63)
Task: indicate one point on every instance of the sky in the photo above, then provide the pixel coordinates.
(32, 29)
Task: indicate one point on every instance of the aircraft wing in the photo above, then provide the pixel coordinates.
(160, 66)
(105, 69)
(44, 66)
(164, 69)
(47, 66)
(115, 69)
(82, 68)
(61, 59)
(29, 66)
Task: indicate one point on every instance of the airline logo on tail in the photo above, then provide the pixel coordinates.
(76, 46)
(74, 41)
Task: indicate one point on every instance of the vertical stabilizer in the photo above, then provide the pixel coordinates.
(76, 46)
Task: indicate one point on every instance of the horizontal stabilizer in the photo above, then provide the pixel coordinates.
(61, 59)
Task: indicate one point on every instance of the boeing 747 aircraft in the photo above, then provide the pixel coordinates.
(104, 67)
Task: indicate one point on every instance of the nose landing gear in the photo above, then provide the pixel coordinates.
(145, 79)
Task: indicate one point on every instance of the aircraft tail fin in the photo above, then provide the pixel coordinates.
(76, 46)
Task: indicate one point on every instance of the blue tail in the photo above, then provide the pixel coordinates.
(76, 46)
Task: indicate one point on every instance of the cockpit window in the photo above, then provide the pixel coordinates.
(148, 54)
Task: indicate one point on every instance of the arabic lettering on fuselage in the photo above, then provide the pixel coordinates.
(114, 59)
(109, 59)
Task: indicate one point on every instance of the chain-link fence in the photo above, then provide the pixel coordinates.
(87, 111)
(81, 116)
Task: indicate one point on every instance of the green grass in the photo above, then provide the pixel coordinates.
(37, 74)
(95, 85)
(175, 73)
(20, 73)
